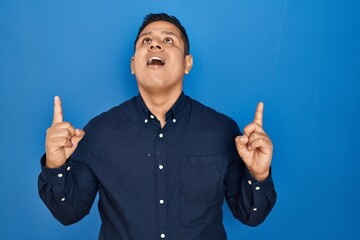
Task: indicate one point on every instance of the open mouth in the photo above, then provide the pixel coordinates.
(156, 61)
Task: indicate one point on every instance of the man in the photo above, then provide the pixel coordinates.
(162, 162)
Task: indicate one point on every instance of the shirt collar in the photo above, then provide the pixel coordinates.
(171, 115)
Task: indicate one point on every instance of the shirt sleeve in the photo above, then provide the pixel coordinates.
(249, 200)
(69, 191)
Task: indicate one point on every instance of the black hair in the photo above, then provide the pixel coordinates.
(154, 17)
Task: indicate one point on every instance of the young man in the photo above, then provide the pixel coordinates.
(161, 161)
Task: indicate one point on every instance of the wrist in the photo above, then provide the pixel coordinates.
(52, 164)
(260, 176)
(47, 165)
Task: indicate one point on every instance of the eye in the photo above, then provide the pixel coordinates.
(168, 40)
(147, 40)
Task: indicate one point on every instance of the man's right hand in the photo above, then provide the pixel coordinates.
(61, 138)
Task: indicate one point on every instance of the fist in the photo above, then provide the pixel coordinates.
(255, 147)
(61, 138)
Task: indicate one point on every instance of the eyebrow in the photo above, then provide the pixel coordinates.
(163, 32)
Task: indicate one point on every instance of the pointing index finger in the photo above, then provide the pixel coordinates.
(258, 118)
(58, 115)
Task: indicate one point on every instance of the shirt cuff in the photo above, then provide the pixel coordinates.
(256, 187)
(54, 176)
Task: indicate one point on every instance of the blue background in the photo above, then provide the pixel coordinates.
(302, 58)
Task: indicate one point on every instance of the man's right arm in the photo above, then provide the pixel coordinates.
(68, 191)
(67, 187)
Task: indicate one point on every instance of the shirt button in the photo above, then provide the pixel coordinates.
(161, 201)
(249, 182)
(161, 135)
(146, 120)
(68, 168)
(161, 167)
(174, 120)
(257, 188)
(60, 175)
(63, 199)
(255, 209)
(149, 154)
(162, 235)
(152, 116)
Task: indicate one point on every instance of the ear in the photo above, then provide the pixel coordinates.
(188, 63)
(132, 65)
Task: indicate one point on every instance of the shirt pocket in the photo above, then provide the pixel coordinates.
(201, 179)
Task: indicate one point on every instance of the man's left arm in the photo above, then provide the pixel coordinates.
(250, 191)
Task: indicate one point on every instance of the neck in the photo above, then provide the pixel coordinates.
(159, 103)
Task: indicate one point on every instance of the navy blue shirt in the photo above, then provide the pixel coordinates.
(157, 183)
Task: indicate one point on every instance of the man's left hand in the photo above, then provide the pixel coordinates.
(255, 147)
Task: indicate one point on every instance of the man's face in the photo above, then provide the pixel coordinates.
(159, 62)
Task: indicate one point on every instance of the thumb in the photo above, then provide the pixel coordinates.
(79, 134)
(241, 143)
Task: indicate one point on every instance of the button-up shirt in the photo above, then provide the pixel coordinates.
(154, 182)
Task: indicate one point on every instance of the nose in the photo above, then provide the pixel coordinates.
(155, 46)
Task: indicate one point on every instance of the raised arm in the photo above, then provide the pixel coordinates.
(66, 185)
(250, 191)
